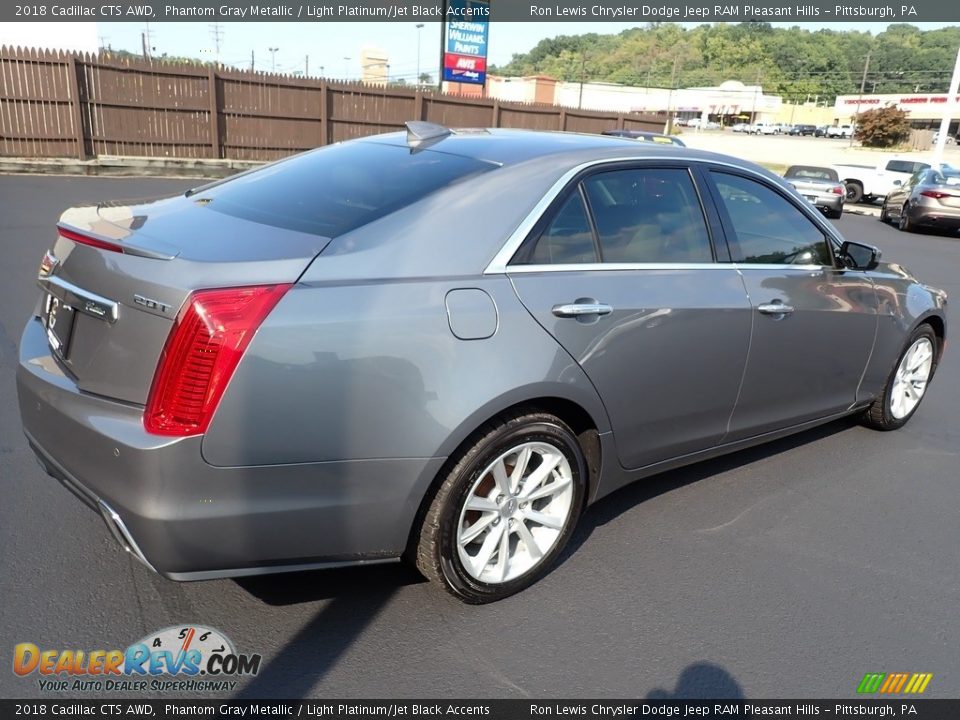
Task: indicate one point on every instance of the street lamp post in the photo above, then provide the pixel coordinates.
(419, 28)
(346, 67)
(273, 59)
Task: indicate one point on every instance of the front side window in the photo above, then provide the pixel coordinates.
(767, 227)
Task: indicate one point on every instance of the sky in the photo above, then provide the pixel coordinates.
(334, 47)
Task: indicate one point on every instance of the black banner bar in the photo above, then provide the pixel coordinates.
(900, 707)
(800, 11)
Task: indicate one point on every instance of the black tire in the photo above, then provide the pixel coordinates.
(437, 555)
(878, 415)
(884, 213)
(854, 192)
(905, 224)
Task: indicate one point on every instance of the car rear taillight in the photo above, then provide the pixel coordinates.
(209, 336)
(936, 194)
(838, 190)
(82, 239)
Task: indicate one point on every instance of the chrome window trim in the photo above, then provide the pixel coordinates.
(617, 267)
(500, 262)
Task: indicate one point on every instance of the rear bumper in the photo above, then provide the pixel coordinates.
(189, 520)
(833, 203)
(935, 216)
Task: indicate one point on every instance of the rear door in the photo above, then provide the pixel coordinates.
(622, 272)
(813, 323)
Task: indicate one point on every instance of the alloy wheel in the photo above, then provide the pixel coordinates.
(910, 380)
(515, 512)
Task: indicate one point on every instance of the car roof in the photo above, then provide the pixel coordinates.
(509, 147)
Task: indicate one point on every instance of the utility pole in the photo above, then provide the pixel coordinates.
(306, 66)
(216, 33)
(948, 112)
(863, 85)
(673, 81)
(273, 59)
(583, 74)
(146, 40)
(253, 62)
(419, 29)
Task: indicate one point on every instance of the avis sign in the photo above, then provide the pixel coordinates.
(466, 31)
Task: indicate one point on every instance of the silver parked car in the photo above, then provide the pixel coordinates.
(820, 185)
(929, 199)
(443, 346)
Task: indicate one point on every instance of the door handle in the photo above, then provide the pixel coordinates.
(775, 308)
(580, 309)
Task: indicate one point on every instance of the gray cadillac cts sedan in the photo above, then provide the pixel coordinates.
(443, 345)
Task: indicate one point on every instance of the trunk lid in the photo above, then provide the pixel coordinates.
(114, 309)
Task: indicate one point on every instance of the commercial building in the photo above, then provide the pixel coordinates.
(924, 110)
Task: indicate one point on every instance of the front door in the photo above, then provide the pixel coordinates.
(813, 323)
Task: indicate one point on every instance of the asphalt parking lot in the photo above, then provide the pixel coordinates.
(789, 570)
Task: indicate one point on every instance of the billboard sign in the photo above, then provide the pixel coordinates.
(466, 31)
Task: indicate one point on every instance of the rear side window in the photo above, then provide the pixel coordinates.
(768, 228)
(648, 216)
(337, 189)
(568, 238)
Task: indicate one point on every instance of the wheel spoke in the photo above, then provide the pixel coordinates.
(490, 543)
(503, 556)
(523, 459)
(548, 490)
(529, 541)
(482, 504)
(550, 521)
(500, 477)
(547, 466)
(920, 356)
(473, 532)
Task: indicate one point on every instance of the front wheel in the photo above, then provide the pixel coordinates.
(505, 510)
(907, 383)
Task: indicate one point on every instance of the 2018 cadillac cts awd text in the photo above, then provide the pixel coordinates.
(444, 346)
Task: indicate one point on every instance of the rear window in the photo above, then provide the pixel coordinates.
(339, 188)
(812, 173)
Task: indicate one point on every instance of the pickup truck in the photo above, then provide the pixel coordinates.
(869, 182)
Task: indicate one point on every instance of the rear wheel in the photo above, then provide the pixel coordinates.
(854, 192)
(505, 510)
(907, 383)
(905, 224)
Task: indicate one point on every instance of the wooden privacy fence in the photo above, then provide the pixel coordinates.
(57, 104)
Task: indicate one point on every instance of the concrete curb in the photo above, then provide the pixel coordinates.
(124, 166)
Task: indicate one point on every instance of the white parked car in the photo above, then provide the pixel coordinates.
(840, 131)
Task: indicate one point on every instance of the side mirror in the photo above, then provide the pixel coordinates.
(858, 256)
(897, 183)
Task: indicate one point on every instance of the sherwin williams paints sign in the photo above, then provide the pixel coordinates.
(466, 32)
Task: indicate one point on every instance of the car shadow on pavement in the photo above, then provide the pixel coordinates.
(352, 583)
(357, 595)
(622, 500)
(701, 680)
